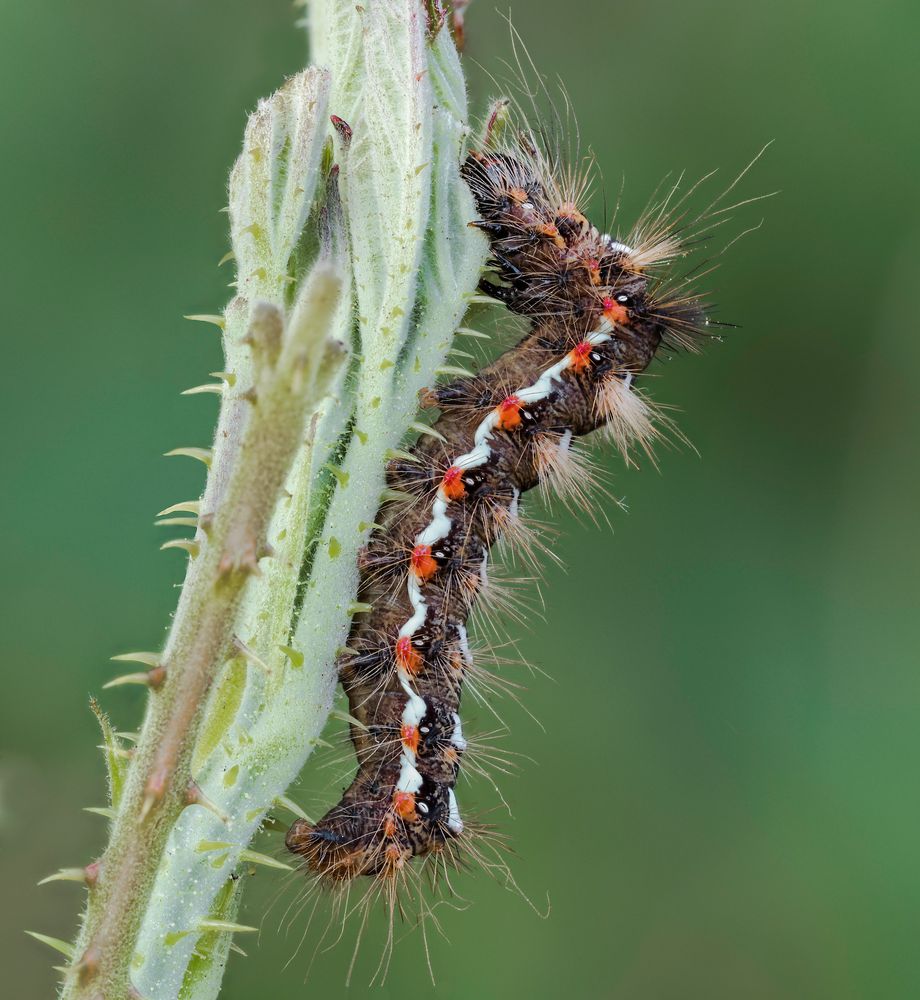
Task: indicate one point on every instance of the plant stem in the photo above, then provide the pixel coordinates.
(373, 261)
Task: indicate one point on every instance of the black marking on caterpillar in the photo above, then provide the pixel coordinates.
(598, 310)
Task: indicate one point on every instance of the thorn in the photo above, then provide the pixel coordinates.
(294, 655)
(229, 255)
(152, 678)
(285, 803)
(226, 926)
(359, 608)
(201, 454)
(235, 947)
(484, 300)
(217, 321)
(155, 790)
(403, 456)
(255, 858)
(426, 430)
(64, 947)
(87, 875)
(106, 811)
(198, 390)
(178, 522)
(337, 713)
(454, 370)
(188, 544)
(208, 846)
(194, 796)
(150, 659)
(126, 753)
(340, 474)
(250, 655)
(465, 331)
(391, 494)
(461, 354)
(228, 377)
(186, 506)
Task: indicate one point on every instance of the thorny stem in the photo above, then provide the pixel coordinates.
(159, 784)
(380, 278)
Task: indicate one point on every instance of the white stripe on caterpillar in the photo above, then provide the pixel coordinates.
(454, 822)
(439, 526)
(438, 529)
(464, 643)
(457, 736)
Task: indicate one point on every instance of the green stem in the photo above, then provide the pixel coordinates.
(249, 664)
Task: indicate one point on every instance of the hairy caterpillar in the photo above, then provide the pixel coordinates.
(598, 310)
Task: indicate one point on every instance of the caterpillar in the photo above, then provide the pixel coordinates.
(596, 309)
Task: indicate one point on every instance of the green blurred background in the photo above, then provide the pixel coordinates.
(724, 802)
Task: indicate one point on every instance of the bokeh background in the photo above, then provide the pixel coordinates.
(723, 801)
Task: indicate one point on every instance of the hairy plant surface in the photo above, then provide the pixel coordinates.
(354, 267)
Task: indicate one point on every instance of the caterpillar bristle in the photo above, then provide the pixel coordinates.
(568, 473)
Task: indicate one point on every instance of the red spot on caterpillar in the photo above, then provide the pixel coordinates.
(580, 356)
(615, 312)
(509, 413)
(568, 212)
(407, 658)
(409, 737)
(394, 856)
(452, 484)
(551, 233)
(404, 804)
(424, 566)
(389, 827)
